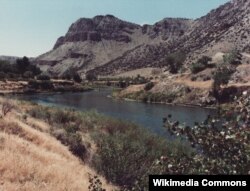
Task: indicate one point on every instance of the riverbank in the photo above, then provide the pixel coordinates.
(177, 91)
(93, 138)
(39, 86)
(170, 95)
(170, 104)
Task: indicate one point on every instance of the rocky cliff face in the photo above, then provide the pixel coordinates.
(97, 29)
(107, 45)
(221, 30)
(91, 43)
(168, 29)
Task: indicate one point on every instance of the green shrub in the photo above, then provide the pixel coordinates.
(233, 58)
(223, 142)
(73, 141)
(46, 85)
(131, 153)
(197, 67)
(33, 84)
(193, 78)
(175, 61)
(91, 77)
(149, 86)
(28, 75)
(19, 68)
(43, 77)
(61, 116)
(66, 76)
(40, 113)
(77, 78)
(136, 80)
(2, 76)
(124, 150)
(222, 75)
(201, 64)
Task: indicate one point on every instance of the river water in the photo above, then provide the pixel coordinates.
(147, 115)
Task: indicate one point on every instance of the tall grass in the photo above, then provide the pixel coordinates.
(124, 151)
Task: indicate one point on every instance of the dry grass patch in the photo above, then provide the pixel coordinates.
(33, 160)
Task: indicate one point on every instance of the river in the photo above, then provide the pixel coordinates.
(147, 115)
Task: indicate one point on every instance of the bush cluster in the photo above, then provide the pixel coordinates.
(73, 75)
(149, 86)
(201, 64)
(175, 61)
(22, 68)
(65, 128)
(124, 150)
(223, 143)
(43, 85)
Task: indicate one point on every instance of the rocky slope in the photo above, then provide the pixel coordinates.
(106, 45)
(221, 30)
(90, 43)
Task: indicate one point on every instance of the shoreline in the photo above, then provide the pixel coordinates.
(6, 93)
(164, 103)
(42, 92)
(173, 104)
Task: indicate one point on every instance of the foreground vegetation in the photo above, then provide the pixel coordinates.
(32, 159)
(123, 152)
(223, 142)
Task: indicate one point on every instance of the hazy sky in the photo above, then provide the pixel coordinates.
(31, 27)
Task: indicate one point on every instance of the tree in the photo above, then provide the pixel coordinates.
(91, 77)
(77, 78)
(28, 75)
(34, 69)
(2, 75)
(233, 58)
(221, 77)
(201, 64)
(205, 60)
(6, 108)
(223, 142)
(22, 64)
(44, 77)
(66, 76)
(149, 86)
(175, 61)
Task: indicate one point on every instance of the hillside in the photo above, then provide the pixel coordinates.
(90, 43)
(222, 30)
(106, 45)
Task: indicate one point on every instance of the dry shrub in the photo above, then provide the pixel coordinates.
(7, 107)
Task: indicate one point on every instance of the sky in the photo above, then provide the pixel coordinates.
(31, 27)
